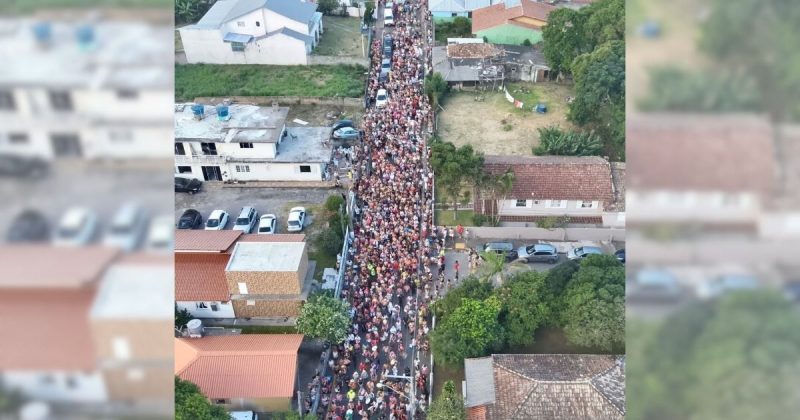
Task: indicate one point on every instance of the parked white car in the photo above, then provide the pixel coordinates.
(76, 228)
(582, 252)
(266, 226)
(161, 235)
(388, 17)
(217, 220)
(297, 219)
(247, 220)
(382, 98)
(127, 228)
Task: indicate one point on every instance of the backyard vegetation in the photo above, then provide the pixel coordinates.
(193, 80)
(342, 37)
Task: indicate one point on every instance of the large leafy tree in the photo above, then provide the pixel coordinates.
(448, 406)
(564, 39)
(472, 330)
(324, 317)
(188, 11)
(470, 288)
(435, 87)
(455, 168)
(526, 306)
(191, 404)
(758, 38)
(734, 358)
(594, 304)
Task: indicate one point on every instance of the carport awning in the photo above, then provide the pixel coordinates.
(234, 37)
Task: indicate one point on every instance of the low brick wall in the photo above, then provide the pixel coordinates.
(282, 100)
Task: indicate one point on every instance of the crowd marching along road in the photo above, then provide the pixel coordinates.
(381, 371)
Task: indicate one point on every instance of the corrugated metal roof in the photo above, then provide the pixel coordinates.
(293, 9)
(216, 15)
(226, 10)
(234, 37)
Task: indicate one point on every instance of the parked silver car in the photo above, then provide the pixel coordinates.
(582, 252)
(538, 253)
(247, 220)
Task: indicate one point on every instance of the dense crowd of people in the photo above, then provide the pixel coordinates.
(380, 370)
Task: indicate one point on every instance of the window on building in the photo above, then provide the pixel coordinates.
(220, 401)
(209, 149)
(251, 303)
(135, 374)
(454, 14)
(245, 145)
(201, 305)
(127, 94)
(586, 204)
(18, 138)
(214, 307)
(184, 169)
(240, 24)
(71, 382)
(179, 150)
(557, 204)
(120, 136)
(521, 203)
(305, 168)
(7, 100)
(121, 348)
(60, 100)
(237, 46)
(242, 288)
(242, 168)
(258, 23)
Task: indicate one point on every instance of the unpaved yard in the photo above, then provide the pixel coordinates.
(323, 115)
(493, 126)
(342, 37)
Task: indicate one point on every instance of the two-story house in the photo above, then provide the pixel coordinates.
(282, 32)
(74, 90)
(579, 188)
(249, 143)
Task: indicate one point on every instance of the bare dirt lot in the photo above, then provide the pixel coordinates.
(323, 115)
(493, 126)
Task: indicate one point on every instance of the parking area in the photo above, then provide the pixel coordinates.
(278, 201)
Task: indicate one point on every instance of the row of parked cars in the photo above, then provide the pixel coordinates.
(248, 220)
(544, 252)
(130, 228)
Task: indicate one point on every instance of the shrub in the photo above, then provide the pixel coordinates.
(330, 241)
(478, 219)
(551, 222)
(333, 202)
(554, 141)
(527, 42)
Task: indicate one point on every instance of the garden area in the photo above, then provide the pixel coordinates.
(458, 27)
(342, 37)
(194, 80)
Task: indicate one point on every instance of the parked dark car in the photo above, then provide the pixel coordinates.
(620, 255)
(29, 226)
(388, 47)
(346, 133)
(505, 249)
(190, 219)
(342, 124)
(187, 185)
(22, 166)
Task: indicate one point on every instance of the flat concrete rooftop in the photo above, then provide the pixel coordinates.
(307, 145)
(266, 256)
(247, 124)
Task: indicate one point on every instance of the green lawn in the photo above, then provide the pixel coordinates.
(342, 37)
(193, 80)
(323, 261)
(445, 217)
(268, 329)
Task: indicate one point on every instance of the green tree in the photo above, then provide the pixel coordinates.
(472, 330)
(493, 266)
(454, 169)
(462, 27)
(470, 288)
(448, 406)
(554, 141)
(188, 11)
(526, 306)
(496, 187)
(330, 241)
(600, 94)
(435, 88)
(564, 39)
(327, 7)
(594, 304)
(558, 277)
(605, 22)
(324, 317)
(191, 404)
(758, 38)
(369, 12)
(182, 317)
(334, 202)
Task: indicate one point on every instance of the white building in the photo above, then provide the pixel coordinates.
(252, 144)
(280, 32)
(85, 90)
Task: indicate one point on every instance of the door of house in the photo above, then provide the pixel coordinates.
(212, 173)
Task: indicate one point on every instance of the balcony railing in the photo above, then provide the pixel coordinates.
(206, 159)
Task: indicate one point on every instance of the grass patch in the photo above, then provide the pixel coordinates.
(445, 217)
(525, 92)
(323, 261)
(193, 80)
(269, 329)
(342, 37)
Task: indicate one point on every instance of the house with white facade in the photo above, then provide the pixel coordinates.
(86, 91)
(282, 32)
(247, 143)
(578, 188)
(448, 9)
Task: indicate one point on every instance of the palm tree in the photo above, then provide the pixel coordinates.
(493, 266)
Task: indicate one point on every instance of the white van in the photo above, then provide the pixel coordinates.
(388, 17)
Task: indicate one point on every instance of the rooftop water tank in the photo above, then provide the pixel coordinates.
(197, 111)
(194, 328)
(223, 113)
(43, 32)
(85, 35)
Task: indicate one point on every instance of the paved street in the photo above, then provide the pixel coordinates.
(103, 188)
(278, 201)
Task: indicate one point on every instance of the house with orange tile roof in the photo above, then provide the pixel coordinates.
(51, 355)
(205, 282)
(241, 372)
(511, 22)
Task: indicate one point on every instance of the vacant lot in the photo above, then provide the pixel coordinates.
(193, 80)
(323, 115)
(342, 37)
(494, 126)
